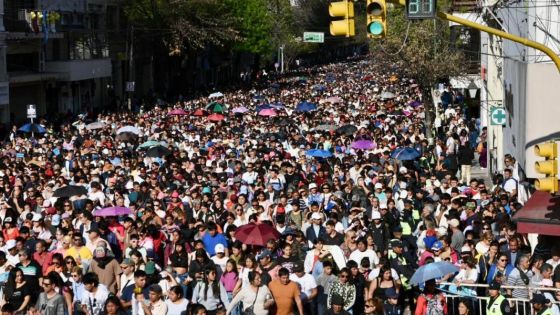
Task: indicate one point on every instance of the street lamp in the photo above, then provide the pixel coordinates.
(472, 89)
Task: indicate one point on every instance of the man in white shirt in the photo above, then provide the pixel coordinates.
(127, 277)
(95, 295)
(363, 252)
(307, 285)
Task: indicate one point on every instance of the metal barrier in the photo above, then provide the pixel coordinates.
(479, 303)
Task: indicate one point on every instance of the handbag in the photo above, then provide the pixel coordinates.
(250, 310)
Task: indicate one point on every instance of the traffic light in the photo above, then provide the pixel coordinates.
(342, 9)
(548, 167)
(376, 18)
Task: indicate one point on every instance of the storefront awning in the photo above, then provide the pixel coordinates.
(541, 214)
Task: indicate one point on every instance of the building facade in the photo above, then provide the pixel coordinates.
(58, 56)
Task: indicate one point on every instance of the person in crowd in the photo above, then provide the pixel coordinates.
(285, 293)
(18, 291)
(256, 298)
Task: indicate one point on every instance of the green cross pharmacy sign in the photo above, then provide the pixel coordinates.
(498, 116)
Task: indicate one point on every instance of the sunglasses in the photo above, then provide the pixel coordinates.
(503, 260)
(45, 284)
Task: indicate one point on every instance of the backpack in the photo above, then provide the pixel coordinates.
(434, 306)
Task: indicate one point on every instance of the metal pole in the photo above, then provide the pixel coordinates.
(282, 59)
(130, 67)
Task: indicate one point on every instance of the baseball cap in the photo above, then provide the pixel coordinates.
(298, 267)
(539, 299)
(265, 253)
(37, 217)
(10, 244)
(219, 248)
(375, 215)
(8, 220)
(391, 293)
(127, 262)
(437, 245)
(396, 243)
(312, 185)
(316, 216)
(494, 286)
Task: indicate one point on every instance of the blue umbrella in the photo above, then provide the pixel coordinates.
(433, 271)
(319, 153)
(305, 107)
(405, 154)
(32, 128)
(277, 105)
(319, 87)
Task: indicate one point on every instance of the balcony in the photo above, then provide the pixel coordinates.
(78, 70)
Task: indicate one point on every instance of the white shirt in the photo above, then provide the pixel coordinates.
(375, 273)
(173, 308)
(357, 256)
(306, 284)
(95, 302)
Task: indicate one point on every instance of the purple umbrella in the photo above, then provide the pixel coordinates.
(240, 110)
(112, 212)
(415, 104)
(364, 145)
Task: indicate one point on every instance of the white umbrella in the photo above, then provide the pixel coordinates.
(388, 95)
(130, 129)
(337, 254)
(95, 125)
(216, 95)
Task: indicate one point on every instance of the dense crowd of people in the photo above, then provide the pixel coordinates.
(317, 192)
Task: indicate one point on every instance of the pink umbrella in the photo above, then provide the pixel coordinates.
(334, 100)
(240, 110)
(178, 112)
(267, 112)
(216, 117)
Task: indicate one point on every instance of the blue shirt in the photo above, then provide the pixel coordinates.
(211, 242)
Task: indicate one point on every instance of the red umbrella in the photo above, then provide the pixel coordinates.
(256, 234)
(198, 112)
(216, 117)
(178, 112)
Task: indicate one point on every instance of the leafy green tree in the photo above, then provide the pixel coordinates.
(425, 51)
(184, 24)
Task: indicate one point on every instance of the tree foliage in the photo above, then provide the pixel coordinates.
(184, 24)
(424, 50)
(255, 24)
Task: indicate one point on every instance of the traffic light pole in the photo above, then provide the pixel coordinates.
(524, 41)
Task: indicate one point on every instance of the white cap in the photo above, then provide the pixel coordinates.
(219, 248)
(403, 194)
(316, 216)
(37, 217)
(10, 244)
(375, 215)
(403, 170)
(312, 185)
(378, 186)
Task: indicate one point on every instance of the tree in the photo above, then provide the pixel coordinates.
(184, 24)
(425, 51)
